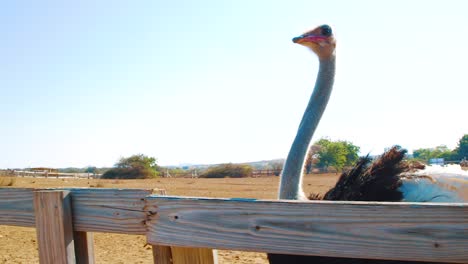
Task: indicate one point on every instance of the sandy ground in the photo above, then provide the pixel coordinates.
(19, 245)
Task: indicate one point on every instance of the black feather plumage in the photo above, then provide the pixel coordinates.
(366, 181)
(376, 181)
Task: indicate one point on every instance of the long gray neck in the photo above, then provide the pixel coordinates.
(291, 177)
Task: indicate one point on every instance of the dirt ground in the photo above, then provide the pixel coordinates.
(18, 244)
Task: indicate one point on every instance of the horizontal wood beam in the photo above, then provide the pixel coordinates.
(110, 210)
(17, 207)
(399, 231)
(402, 231)
(94, 210)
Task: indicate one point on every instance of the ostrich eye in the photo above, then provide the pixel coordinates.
(326, 30)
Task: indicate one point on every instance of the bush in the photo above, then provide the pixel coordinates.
(129, 173)
(134, 167)
(228, 170)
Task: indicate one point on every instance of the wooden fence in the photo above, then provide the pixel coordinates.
(47, 174)
(186, 229)
(260, 173)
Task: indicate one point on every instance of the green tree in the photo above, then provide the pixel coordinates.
(422, 154)
(461, 151)
(134, 167)
(336, 154)
(91, 169)
(352, 152)
(444, 152)
(137, 161)
(425, 154)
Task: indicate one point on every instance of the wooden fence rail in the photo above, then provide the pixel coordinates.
(185, 229)
(425, 232)
(94, 210)
(47, 174)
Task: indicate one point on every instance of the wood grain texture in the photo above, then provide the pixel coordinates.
(54, 227)
(94, 210)
(181, 255)
(16, 207)
(399, 231)
(162, 255)
(84, 247)
(109, 210)
(186, 255)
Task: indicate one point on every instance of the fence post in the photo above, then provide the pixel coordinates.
(184, 255)
(84, 247)
(162, 255)
(54, 226)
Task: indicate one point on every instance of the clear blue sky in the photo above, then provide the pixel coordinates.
(87, 82)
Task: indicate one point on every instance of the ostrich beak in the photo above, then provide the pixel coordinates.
(296, 39)
(308, 38)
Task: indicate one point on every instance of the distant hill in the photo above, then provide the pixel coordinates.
(257, 165)
(266, 164)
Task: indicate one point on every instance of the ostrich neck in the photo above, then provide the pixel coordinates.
(291, 177)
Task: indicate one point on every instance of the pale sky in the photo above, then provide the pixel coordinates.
(87, 82)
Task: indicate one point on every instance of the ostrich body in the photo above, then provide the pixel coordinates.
(389, 178)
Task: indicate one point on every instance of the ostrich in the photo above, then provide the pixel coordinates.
(389, 178)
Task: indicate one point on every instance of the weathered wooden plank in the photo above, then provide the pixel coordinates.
(109, 210)
(161, 254)
(186, 255)
(16, 207)
(425, 232)
(94, 210)
(181, 255)
(54, 227)
(84, 247)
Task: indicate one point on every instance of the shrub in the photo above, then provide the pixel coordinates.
(134, 167)
(129, 173)
(228, 170)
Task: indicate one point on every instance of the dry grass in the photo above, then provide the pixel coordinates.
(98, 185)
(7, 181)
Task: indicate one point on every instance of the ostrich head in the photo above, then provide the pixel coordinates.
(320, 40)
